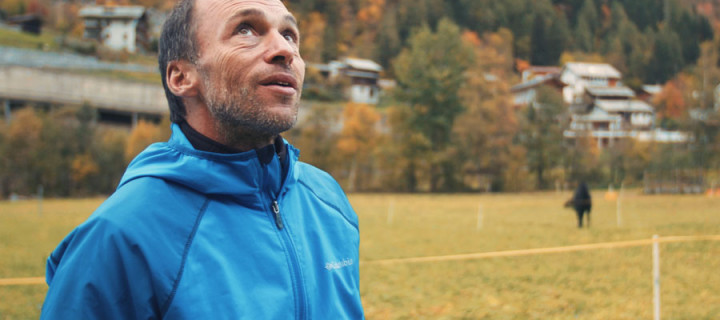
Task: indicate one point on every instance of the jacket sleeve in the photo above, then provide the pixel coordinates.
(98, 273)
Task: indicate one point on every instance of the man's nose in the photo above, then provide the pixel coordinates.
(279, 49)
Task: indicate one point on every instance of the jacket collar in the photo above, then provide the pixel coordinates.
(236, 175)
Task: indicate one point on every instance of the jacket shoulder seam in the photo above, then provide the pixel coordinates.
(186, 250)
(328, 203)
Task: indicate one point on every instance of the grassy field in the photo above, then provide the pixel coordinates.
(598, 284)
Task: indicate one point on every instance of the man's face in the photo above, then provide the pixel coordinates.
(250, 64)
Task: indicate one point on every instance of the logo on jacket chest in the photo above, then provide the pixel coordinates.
(333, 265)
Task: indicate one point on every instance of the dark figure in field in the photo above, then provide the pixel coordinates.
(581, 202)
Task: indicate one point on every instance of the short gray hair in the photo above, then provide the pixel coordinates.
(177, 42)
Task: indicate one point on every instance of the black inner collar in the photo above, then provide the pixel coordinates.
(203, 143)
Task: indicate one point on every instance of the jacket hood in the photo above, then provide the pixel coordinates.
(235, 175)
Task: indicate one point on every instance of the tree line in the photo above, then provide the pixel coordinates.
(450, 124)
(648, 40)
(65, 152)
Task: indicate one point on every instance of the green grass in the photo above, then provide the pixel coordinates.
(598, 284)
(44, 41)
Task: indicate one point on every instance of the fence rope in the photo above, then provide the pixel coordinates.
(525, 252)
(471, 256)
(22, 281)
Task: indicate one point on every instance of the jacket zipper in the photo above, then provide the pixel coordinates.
(294, 263)
(276, 211)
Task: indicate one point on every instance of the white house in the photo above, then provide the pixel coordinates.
(579, 75)
(117, 27)
(615, 113)
(363, 76)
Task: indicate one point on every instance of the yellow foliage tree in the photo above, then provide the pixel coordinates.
(83, 166)
(484, 132)
(144, 134)
(313, 31)
(357, 141)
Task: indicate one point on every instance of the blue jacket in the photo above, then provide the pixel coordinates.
(198, 235)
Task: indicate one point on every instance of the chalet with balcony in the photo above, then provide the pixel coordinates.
(578, 76)
(361, 75)
(117, 27)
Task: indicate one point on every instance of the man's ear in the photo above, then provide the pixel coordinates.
(182, 78)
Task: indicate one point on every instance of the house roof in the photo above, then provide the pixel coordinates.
(620, 91)
(118, 12)
(599, 70)
(537, 81)
(362, 64)
(652, 88)
(612, 106)
(597, 114)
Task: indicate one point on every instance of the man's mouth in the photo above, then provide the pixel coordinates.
(284, 80)
(280, 83)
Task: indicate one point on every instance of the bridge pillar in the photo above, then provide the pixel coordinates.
(8, 114)
(134, 120)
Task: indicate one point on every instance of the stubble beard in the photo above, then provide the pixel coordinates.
(243, 119)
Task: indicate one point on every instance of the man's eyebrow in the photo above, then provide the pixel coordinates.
(257, 13)
(289, 18)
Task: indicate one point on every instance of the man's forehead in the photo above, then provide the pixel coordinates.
(271, 6)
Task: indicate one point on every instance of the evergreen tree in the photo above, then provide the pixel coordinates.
(538, 42)
(389, 44)
(542, 134)
(588, 14)
(584, 37)
(667, 59)
(644, 13)
(548, 42)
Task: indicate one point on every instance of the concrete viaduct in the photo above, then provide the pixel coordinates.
(118, 102)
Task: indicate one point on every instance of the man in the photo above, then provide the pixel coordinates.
(222, 221)
(581, 202)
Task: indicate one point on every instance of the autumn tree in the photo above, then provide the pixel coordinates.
(144, 134)
(403, 152)
(108, 152)
(316, 136)
(23, 143)
(670, 105)
(488, 159)
(581, 159)
(430, 73)
(313, 31)
(358, 139)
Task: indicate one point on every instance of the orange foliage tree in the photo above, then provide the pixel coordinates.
(670, 102)
(484, 131)
(357, 141)
(144, 134)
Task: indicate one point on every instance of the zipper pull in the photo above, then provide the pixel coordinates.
(276, 210)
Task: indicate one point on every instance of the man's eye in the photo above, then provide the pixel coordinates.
(244, 29)
(290, 37)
